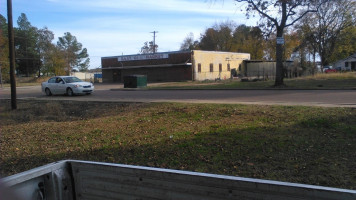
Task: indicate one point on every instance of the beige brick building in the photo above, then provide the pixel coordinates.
(174, 66)
(211, 65)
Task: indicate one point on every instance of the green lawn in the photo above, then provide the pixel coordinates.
(319, 81)
(310, 145)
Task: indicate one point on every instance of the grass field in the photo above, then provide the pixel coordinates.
(318, 81)
(296, 144)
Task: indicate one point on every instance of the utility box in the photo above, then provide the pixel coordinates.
(135, 81)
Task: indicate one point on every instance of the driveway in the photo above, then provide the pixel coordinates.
(107, 92)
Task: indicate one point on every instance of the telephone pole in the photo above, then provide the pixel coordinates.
(11, 55)
(154, 41)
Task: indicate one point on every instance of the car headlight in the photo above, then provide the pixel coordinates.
(76, 86)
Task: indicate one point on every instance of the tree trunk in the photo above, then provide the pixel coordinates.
(315, 70)
(279, 60)
(39, 69)
(323, 61)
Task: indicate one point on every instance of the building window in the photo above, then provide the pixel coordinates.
(346, 64)
(211, 67)
(228, 67)
(220, 67)
(239, 67)
(199, 67)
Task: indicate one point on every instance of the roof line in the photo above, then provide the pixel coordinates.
(149, 66)
(168, 52)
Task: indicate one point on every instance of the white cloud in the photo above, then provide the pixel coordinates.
(183, 6)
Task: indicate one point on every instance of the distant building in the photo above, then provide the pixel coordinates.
(267, 69)
(173, 66)
(87, 76)
(347, 64)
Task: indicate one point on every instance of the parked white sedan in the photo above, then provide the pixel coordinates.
(69, 85)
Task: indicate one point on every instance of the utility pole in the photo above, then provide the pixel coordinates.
(1, 77)
(154, 41)
(11, 55)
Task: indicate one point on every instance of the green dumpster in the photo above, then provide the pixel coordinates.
(135, 81)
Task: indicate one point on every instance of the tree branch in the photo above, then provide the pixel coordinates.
(260, 11)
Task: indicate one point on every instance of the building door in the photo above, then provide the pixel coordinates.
(353, 66)
(116, 76)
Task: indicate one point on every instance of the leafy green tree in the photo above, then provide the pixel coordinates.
(240, 38)
(249, 40)
(57, 61)
(346, 44)
(270, 48)
(27, 57)
(257, 43)
(208, 40)
(292, 41)
(218, 38)
(74, 54)
(44, 46)
(4, 50)
(307, 43)
(3, 25)
(227, 37)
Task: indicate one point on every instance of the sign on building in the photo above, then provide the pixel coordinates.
(143, 57)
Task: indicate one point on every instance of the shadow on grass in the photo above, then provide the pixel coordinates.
(308, 151)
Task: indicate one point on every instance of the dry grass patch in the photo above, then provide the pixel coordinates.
(338, 75)
(318, 81)
(296, 144)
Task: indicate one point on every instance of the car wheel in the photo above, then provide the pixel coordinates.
(48, 92)
(69, 92)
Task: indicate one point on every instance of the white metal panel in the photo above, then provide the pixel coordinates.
(94, 180)
(112, 181)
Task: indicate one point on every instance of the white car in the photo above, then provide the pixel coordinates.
(69, 85)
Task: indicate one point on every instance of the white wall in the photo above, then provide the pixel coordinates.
(83, 75)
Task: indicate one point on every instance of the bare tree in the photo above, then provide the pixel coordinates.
(148, 47)
(188, 43)
(324, 28)
(278, 15)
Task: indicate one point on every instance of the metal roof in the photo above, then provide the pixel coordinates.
(149, 66)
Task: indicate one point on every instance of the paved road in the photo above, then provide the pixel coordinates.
(333, 98)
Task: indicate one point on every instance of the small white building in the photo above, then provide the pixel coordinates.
(86, 76)
(347, 64)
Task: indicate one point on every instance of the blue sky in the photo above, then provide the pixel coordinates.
(116, 27)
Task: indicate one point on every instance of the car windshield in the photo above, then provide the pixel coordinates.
(72, 79)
